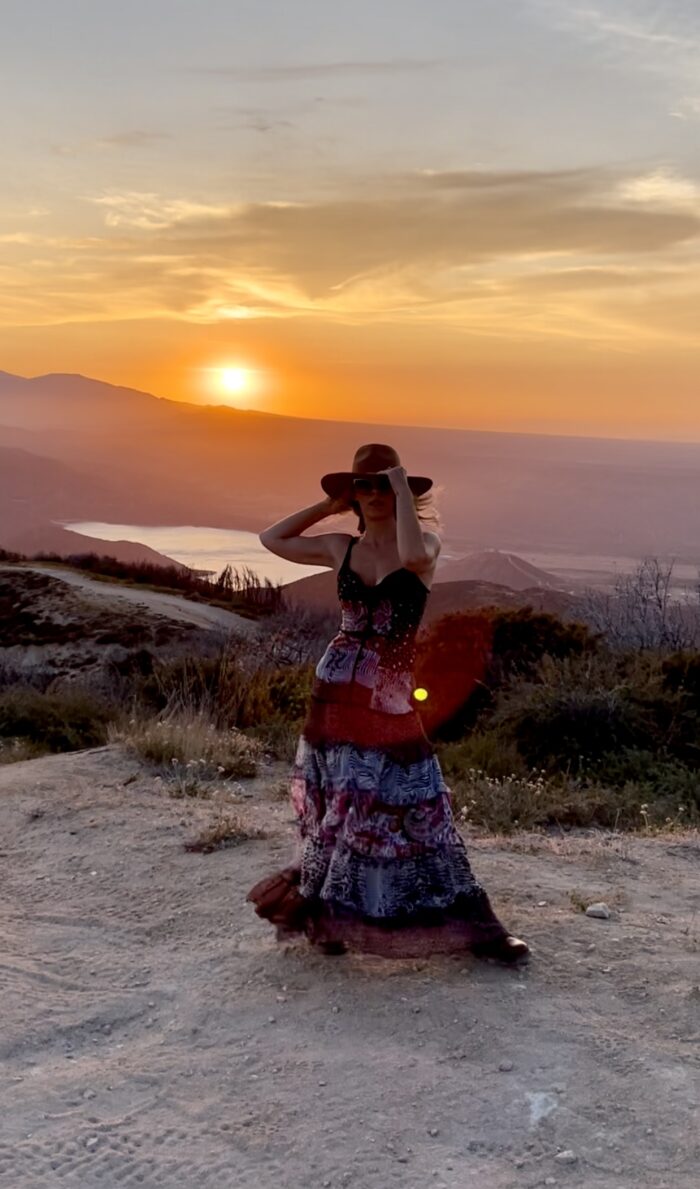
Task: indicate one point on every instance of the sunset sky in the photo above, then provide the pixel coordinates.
(429, 212)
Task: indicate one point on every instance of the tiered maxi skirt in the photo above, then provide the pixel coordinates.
(380, 866)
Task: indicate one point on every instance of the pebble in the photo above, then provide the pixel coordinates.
(92, 1141)
(433, 1131)
(599, 909)
(505, 1066)
(541, 903)
(566, 1157)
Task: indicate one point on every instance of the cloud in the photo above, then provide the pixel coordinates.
(586, 254)
(313, 70)
(150, 212)
(662, 189)
(687, 108)
(131, 138)
(136, 136)
(637, 33)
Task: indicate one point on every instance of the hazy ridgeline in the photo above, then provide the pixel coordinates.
(75, 449)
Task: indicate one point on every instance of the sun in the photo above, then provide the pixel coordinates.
(235, 380)
(241, 385)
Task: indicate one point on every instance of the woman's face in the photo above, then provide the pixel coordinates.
(375, 498)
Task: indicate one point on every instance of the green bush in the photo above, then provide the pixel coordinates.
(467, 658)
(569, 729)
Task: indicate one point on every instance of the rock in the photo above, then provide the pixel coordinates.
(433, 1131)
(599, 909)
(566, 1157)
(505, 1066)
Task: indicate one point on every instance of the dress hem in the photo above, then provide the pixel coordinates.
(466, 924)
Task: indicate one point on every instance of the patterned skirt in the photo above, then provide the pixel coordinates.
(380, 865)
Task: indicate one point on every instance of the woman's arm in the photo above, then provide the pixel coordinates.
(418, 548)
(285, 540)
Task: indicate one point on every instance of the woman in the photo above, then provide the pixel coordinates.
(381, 867)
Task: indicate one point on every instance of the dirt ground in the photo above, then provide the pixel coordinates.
(154, 1033)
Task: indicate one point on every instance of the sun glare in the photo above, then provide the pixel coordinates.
(235, 380)
(237, 385)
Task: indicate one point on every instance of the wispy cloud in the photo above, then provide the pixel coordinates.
(150, 212)
(130, 138)
(313, 70)
(662, 189)
(135, 136)
(639, 37)
(588, 254)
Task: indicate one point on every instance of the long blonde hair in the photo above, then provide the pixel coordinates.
(426, 510)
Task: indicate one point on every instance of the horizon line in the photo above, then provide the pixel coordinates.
(222, 405)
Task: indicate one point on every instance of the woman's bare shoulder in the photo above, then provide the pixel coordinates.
(339, 547)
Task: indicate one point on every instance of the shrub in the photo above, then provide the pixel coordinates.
(56, 721)
(232, 689)
(466, 658)
(537, 801)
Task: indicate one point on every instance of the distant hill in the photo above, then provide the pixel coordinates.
(36, 490)
(504, 569)
(319, 591)
(51, 538)
(149, 460)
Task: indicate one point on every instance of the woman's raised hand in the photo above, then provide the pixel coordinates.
(338, 504)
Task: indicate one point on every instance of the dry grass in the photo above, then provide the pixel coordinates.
(189, 747)
(228, 829)
(506, 804)
(279, 790)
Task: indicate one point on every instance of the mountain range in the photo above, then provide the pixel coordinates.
(74, 448)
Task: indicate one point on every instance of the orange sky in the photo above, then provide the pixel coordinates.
(444, 230)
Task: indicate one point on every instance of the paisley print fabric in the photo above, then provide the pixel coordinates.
(380, 864)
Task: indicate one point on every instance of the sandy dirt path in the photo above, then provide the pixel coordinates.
(153, 1033)
(183, 610)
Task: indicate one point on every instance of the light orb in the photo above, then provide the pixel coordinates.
(235, 380)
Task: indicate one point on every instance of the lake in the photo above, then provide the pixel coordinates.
(202, 548)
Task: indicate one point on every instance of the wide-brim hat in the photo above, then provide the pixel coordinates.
(369, 460)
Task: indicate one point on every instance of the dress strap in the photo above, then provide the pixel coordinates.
(344, 562)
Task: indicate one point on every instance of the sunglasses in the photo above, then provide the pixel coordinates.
(372, 483)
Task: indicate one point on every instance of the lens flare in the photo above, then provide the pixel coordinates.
(420, 694)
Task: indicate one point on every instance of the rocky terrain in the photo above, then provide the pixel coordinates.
(59, 627)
